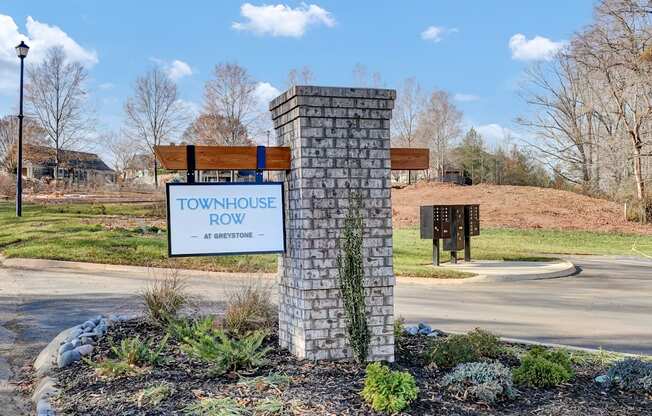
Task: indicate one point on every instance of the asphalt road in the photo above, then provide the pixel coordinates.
(608, 304)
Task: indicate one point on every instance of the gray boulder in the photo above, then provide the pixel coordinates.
(68, 358)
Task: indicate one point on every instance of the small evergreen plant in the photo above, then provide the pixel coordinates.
(351, 275)
(388, 391)
(543, 368)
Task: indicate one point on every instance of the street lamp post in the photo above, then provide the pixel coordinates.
(21, 51)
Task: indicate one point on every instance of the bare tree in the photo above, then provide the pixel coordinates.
(214, 129)
(303, 76)
(360, 75)
(122, 151)
(154, 113)
(409, 105)
(32, 134)
(231, 95)
(613, 49)
(439, 124)
(56, 95)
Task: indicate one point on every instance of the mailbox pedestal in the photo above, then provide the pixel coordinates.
(455, 224)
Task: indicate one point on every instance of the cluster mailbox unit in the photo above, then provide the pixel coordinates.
(455, 224)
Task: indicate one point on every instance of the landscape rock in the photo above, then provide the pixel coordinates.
(601, 379)
(66, 347)
(424, 329)
(88, 325)
(68, 358)
(411, 330)
(44, 408)
(84, 349)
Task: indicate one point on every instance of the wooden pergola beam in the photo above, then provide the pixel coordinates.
(276, 158)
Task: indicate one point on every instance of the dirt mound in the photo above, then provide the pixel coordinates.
(504, 206)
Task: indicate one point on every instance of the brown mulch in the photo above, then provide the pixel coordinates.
(522, 207)
(318, 388)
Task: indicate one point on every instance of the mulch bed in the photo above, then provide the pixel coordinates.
(318, 388)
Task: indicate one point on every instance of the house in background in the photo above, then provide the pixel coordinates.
(75, 167)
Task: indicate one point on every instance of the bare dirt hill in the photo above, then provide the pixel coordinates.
(504, 206)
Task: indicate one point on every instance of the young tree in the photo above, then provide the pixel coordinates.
(122, 151)
(56, 95)
(154, 114)
(214, 129)
(439, 124)
(231, 95)
(32, 134)
(303, 76)
(408, 107)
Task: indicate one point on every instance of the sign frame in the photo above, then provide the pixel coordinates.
(169, 237)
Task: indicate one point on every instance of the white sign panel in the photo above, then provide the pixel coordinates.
(225, 218)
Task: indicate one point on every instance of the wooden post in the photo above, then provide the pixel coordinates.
(454, 257)
(467, 247)
(190, 158)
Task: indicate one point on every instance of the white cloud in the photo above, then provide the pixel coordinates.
(178, 69)
(39, 37)
(191, 107)
(436, 33)
(105, 86)
(265, 92)
(465, 98)
(535, 49)
(282, 20)
(494, 133)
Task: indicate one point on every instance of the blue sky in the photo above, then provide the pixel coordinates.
(476, 50)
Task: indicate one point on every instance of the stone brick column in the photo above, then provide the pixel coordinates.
(340, 144)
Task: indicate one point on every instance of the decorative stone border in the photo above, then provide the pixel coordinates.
(66, 348)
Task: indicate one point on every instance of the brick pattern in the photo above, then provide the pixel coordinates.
(339, 139)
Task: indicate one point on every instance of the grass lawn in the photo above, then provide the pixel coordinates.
(75, 232)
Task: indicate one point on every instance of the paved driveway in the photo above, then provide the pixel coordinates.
(608, 304)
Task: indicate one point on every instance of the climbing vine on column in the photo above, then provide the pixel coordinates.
(351, 278)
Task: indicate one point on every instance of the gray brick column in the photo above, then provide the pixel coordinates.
(340, 144)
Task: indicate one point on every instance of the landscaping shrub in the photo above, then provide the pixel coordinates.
(632, 375)
(153, 396)
(275, 381)
(131, 355)
(135, 352)
(270, 407)
(216, 407)
(399, 333)
(350, 265)
(248, 309)
(543, 368)
(164, 298)
(486, 382)
(228, 354)
(459, 349)
(180, 329)
(388, 391)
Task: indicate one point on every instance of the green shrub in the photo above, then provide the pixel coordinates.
(164, 298)
(632, 375)
(249, 308)
(270, 407)
(543, 368)
(228, 354)
(153, 396)
(112, 368)
(388, 391)
(399, 333)
(486, 382)
(135, 352)
(459, 349)
(216, 407)
(350, 266)
(276, 381)
(180, 329)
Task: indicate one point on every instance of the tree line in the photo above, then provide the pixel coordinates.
(59, 116)
(591, 108)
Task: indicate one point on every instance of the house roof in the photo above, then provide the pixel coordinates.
(45, 156)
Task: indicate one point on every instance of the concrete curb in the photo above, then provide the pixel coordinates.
(26, 263)
(568, 269)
